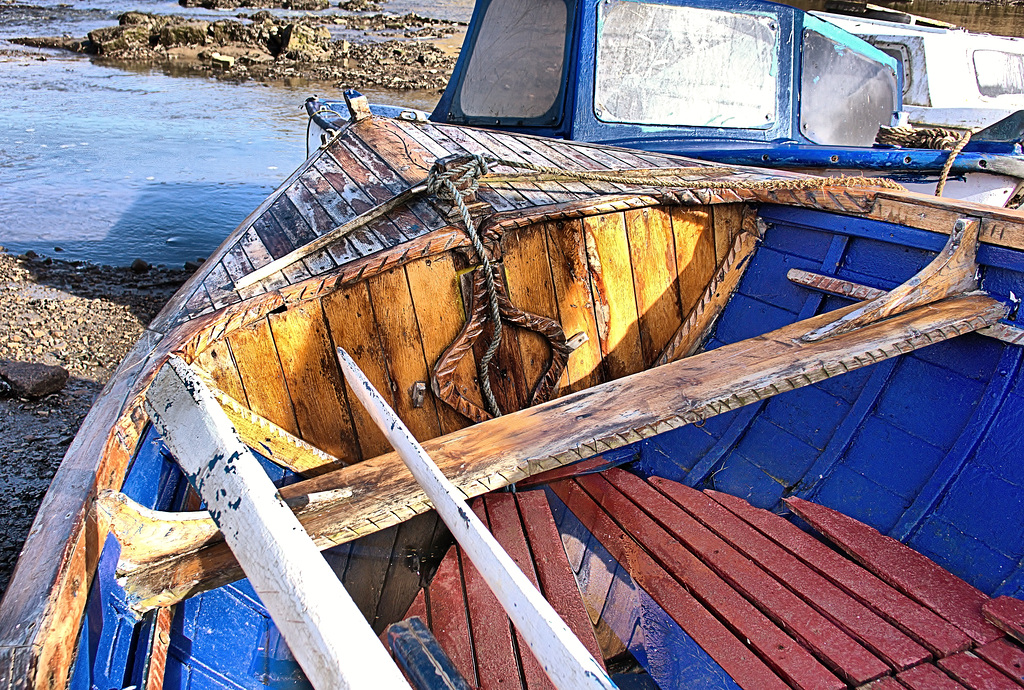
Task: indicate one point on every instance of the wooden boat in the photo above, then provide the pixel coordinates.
(752, 83)
(667, 326)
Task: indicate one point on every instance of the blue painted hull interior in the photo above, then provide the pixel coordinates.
(925, 447)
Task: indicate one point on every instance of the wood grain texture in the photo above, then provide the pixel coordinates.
(694, 240)
(262, 378)
(655, 276)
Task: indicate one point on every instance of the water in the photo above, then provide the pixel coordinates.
(111, 164)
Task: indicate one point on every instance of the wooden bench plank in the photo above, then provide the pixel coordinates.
(975, 673)
(706, 630)
(556, 579)
(919, 622)
(838, 650)
(850, 615)
(1007, 614)
(446, 604)
(782, 654)
(903, 568)
(1005, 656)
(928, 677)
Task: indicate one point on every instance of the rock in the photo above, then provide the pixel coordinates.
(27, 380)
(306, 5)
(139, 266)
(112, 39)
(184, 34)
(305, 43)
(192, 266)
(222, 61)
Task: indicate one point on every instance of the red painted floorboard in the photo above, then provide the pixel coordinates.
(976, 673)
(1007, 614)
(928, 677)
(898, 650)
(922, 624)
(903, 568)
(1006, 656)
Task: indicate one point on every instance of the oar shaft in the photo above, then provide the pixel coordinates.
(564, 658)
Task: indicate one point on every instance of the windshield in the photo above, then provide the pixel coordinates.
(665, 65)
(999, 73)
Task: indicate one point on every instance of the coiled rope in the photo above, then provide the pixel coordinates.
(457, 183)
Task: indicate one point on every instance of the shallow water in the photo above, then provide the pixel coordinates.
(111, 163)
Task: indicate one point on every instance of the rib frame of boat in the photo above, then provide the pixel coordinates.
(708, 214)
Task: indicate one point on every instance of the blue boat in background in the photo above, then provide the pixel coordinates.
(744, 83)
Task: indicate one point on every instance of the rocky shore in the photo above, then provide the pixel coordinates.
(399, 52)
(82, 318)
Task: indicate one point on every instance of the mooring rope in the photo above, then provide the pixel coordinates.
(941, 185)
(457, 183)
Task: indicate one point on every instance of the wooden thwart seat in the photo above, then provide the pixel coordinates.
(466, 618)
(774, 607)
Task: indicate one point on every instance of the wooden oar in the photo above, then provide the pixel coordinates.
(564, 658)
(323, 627)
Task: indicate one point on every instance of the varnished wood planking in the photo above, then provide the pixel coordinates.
(315, 386)
(611, 278)
(571, 281)
(437, 304)
(403, 350)
(352, 327)
(369, 188)
(262, 378)
(217, 361)
(404, 155)
(695, 253)
(652, 253)
(530, 287)
(727, 220)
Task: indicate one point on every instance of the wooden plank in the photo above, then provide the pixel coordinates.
(314, 613)
(156, 652)
(834, 647)
(352, 326)
(564, 658)
(571, 282)
(261, 374)
(530, 287)
(885, 683)
(446, 603)
(921, 623)
(217, 361)
(492, 454)
(553, 572)
(1005, 656)
(903, 568)
(507, 527)
(695, 253)
(437, 303)
(706, 630)
(849, 614)
(614, 295)
(778, 650)
(496, 664)
(653, 256)
(975, 673)
(727, 220)
(314, 384)
(1007, 614)
(403, 578)
(402, 347)
(368, 563)
(927, 677)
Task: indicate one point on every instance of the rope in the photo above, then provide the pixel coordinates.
(461, 181)
(949, 162)
(446, 186)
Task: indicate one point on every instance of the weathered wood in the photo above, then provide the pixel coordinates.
(611, 278)
(157, 648)
(975, 673)
(323, 628)
(1007, 614)
(927, 677)
(491, 454)
(706, 630)
(653, 257)
(778, 650)
(262, 378)
(422, 658)
(564, 658)
(921, 623)
(1005, 656)
(953, 271)
(448, 618)
(849, 614)
(903, 568)
(712, 301)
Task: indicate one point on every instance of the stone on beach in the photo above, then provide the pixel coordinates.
(29, 380)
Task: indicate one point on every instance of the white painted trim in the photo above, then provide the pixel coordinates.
(564, 658)
(324, 629)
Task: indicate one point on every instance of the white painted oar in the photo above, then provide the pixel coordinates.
(564, 658)
(324, 629)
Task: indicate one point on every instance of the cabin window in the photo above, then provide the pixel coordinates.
(666, 65)
(515, 70)
(844, 95)
(999, 73)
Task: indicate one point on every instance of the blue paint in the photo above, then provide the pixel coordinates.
(425, 663)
